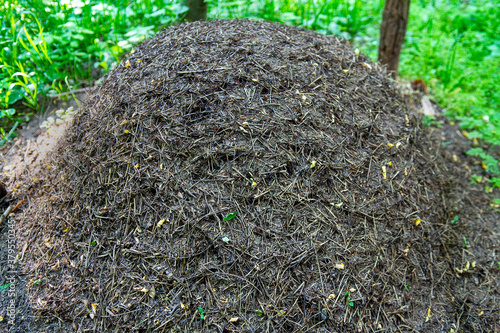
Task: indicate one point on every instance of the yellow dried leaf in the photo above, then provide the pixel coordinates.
(428, 314)
(483, 165)
(124, 122)
(465, 133)
(233, 319)
(254, 183)
(126, 131)
(455, 158)
(390, 145)
(473, 264)
(417, 221)
(65, 230)
(48, 166)
(161, 166)
(345, 70)
(138, 61)
(160, 223)
(340, 266)
(384, 172)
(127, 64)
(313, 164)
(137, 166)
(367, 65)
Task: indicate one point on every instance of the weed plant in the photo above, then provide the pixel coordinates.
(452, 45)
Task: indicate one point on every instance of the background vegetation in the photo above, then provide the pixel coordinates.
(49, 47)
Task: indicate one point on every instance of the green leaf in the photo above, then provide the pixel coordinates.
(225, 239)
(5, 286)
(259, 313)
(200, 310)
(230, 216)
(93, 242)
(455, 219)
(351, 304)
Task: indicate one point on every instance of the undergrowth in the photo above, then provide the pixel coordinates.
(48, 47)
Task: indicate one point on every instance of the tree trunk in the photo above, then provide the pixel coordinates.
(197, 10)
(392, 33)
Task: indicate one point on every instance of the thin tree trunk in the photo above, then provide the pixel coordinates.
(197, 10)
(392, 33)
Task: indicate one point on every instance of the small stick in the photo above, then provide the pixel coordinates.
(9, 210)
(5, 214)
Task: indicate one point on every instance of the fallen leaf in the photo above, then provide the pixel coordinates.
(230, 216)
(428, 314)
(417, 221)
(384, 172)
(233, 319)
(390, 145)
(313, 164)
(127, 64)
(225, 239)
(160, 223)
(124, 122)
(340, 266)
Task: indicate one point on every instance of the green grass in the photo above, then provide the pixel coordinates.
(50, 47)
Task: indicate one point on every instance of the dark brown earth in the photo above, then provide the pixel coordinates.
(344, 201)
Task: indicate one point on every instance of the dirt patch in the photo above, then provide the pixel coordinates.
(248, 176)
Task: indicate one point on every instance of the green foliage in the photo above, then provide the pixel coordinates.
(44, 42)
(429, 121)
(489, 161)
